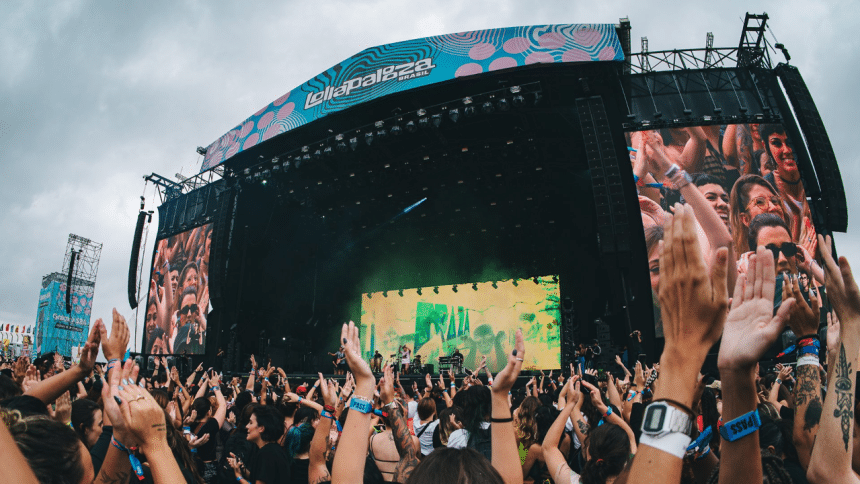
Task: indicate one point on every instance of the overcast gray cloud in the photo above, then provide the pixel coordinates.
(94, 95)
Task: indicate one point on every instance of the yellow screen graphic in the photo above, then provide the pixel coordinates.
(478, 322)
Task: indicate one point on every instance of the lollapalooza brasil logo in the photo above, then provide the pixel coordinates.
(399, 72)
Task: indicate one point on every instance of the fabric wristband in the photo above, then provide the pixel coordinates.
(674, 443)
(741, 427)
(807, 350)
(608, 412)
(808, 360)
(633, 394)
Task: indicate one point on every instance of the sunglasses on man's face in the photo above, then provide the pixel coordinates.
(188, 309)
(787, 248)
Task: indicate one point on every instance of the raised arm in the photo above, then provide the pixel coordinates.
(750, 329)
(349, 460)
(555, 460)
(831, 455)
(317, 470)
(693, 303)
(399, 428)
(505, 457)
(50, 389)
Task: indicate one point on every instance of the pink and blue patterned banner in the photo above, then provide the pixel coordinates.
(391, 68)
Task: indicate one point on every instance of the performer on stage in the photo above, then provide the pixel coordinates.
(339, 361)
(457, 361)
(376, 362)
(405, 354)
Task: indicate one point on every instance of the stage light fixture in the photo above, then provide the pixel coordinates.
(437, 120)
(487, 107)
(264, 182)
(537, 97)
(515, 89)
(381, 134)
(353, 143)
(370, 295)
(424, 123)
(469, 111)
(400, 293)
(535, 280)
(436, 289)
(247, 171)
(503, 104)
(276, 168)
(328, 151)
(421, 112)
(474, 286)
(202, 151)
(555, 279)
(368, 138)
(454, 288)
(419, 291)
(267, 173)
(411, 127)
(396, 130)
(514, 282)
(495, 285)
(306, 149)
(306, 158)
(467, 100)
(384, 293)
(518, 100)
(454, 114)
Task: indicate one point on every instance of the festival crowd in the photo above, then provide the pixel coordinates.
(661, 424)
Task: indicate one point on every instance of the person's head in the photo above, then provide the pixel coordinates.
(426, 409)
(266, 424)
(772, 232)
(306, 415)
(188, 277)
(544, 417)
(188, 306)
(202, 407)
(8, 388)
(653, 236)
(714, 193)
(779, 147)
(27, 405)
(151, 316)
(751, 195)
(87, 421)
(475, 402)
(299, 439)
(607, 449)
(526, 425)
(455, 466)
(485, 338)
(54, 451)
(450, 419)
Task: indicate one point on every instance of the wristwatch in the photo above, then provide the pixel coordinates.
(661, 419)
(360, 404)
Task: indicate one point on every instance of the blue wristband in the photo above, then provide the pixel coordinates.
(741, 426)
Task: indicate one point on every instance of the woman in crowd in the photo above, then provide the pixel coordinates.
(87, 421)
(751, 195)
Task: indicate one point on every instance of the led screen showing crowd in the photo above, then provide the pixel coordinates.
(479, 320)
(178, 300)
(743, 183)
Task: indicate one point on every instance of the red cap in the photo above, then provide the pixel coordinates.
(301, 389)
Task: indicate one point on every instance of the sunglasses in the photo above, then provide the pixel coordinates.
(787, 248)
(762, 202)
(188, 309)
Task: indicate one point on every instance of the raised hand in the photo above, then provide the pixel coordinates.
(352, 348)
(386, 390)
(506, 378)
(327, 388)
(64, 409)
(197, 441)
(31, 379)
(833, 334)
(803, 319)
(751, 327)
(91, 349)
(841, 287)
(114, 346)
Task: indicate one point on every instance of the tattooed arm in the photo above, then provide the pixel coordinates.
(831, 455)
(807, 412)
(317, 471)
(406, 448)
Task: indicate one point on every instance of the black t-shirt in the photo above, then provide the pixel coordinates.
(99, 450)
(271, 465)
(206, 452)
(299, 471)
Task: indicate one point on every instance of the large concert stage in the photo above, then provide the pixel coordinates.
(449, 172)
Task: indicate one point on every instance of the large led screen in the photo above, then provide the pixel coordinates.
(745, 187)
(478, 319)
(178, 300)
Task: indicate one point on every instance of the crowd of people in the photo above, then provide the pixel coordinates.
(724, 267)
(660, 424)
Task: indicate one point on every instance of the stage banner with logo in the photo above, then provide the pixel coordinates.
(391, 68)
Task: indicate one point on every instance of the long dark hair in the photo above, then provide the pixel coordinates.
(608, 450)
(51, 448)
(476, 405)
(455, 466)
(181, 450)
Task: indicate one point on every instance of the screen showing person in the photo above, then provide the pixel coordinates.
(478, 319)
(729, 174)
(178, 299)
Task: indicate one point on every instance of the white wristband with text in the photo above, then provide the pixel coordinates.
(674, 443)
(808, 360)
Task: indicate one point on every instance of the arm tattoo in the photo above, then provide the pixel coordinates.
(323, 479)
(403, 443)
(583, 427)
(844, 395)
(812, 415)
(105, 477)
(807, 392)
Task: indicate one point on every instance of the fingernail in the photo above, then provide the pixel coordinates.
(344, 341)
(514, 352)
(119, 387)
(118, 400)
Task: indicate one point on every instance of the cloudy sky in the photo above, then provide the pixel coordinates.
(94, 95)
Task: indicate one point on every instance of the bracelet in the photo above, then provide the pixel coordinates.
(807, 350)
(808, 360)
(608, 412)
(633, 394)
(741, 427)
(216, 388)
(808, 340)
(326, 414)
(501, 420)
(328, 408)
(674, 443)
